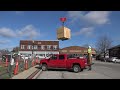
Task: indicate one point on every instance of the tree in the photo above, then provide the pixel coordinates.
(103, 43)
(15, 49)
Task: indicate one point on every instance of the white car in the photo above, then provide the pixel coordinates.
(24, 57)
(115, 60)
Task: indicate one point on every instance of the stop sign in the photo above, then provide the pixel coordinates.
(63, 19)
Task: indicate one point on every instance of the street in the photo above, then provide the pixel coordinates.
(100, 70)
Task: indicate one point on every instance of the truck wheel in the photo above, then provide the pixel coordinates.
(81, 69)
(76, 68)
(44, 67)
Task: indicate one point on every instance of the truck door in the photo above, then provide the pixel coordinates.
(53, 61)
(61, 62)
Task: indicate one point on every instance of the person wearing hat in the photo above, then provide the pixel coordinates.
(12, 62)
(89, 58)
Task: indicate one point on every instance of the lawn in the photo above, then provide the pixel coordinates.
(5, 75)
(2, 68)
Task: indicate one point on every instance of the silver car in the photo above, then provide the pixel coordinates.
(115, 60)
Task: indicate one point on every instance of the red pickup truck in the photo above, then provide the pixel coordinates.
(64, 62)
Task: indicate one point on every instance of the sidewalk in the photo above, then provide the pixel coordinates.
(26, 73)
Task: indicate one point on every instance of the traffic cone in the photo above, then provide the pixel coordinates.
(36, 60)
(6, 62)
(16, 68)
(26, 64)
(32, 63)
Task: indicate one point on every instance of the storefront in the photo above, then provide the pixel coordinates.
(40, 49)
(114, 51)
(76, 51)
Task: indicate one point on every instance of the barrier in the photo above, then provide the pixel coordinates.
(16, 68)
(0, 62)
(21, 66)
(6, 62)
(26, 64)
(36, 60)
(33, 63)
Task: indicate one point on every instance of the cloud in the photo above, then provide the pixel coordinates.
(84, 31)
(28, 31)
(98, 17)
(19, 12)
(4, 41)
(91, 17)
(6, 32)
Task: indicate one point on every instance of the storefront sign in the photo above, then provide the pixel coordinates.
(75, 51)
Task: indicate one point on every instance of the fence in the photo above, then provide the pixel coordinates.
(6, 71)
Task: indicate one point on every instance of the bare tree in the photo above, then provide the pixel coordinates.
(103, 43)
(15, 49)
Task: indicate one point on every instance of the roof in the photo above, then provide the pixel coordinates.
(39, 40)
(118, 46)
(75, 48)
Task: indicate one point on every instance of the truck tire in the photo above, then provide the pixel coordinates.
(76, 68)
(44, 67)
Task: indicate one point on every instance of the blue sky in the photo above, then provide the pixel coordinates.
(86, 26)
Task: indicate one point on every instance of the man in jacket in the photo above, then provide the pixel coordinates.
(11, 67)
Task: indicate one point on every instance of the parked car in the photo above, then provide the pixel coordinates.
(110, 59)
(6, 56)
(24, 57)
(115, 59)
(63, 62)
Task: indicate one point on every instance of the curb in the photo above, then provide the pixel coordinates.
(36, 76)
(28, 76)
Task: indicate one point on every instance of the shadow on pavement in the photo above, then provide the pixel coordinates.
(60, 70)
(38, 67)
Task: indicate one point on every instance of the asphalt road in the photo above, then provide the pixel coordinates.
(111, 70)
(100, 70)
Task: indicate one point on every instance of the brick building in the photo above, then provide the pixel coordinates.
(76, 51)
(39, 48)
(114, 51)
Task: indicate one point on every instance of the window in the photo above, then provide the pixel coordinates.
(55, 47)
(39, 47)
(61, 57)
(29, 47)
(42, 55)
(22, 46)
(48, 47)
(42, 47)
(54, 57)
(85, 50)
(35, 47)
(39, 42)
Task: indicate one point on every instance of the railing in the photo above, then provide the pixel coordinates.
(5, 72)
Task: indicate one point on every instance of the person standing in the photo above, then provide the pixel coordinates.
(89, 61)
(12, 62)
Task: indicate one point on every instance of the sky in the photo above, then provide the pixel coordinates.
(85, 26)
